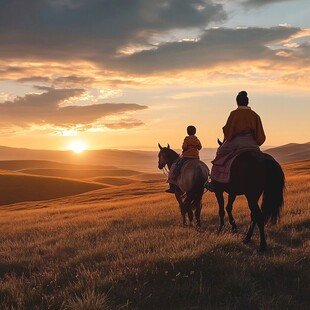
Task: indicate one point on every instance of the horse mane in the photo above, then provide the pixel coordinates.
(171, 154)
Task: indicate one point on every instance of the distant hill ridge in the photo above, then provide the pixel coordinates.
(145, 161)
(290, 152)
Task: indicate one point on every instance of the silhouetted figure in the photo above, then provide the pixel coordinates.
(191, 147)
(242, 131)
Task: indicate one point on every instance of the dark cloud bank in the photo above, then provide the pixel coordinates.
(37, 29)
(97, 30)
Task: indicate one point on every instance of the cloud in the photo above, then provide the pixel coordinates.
(45, 109)
(79, 43)
(62, 80)
(215, 47)
(94, 29)
(124, 124)
(257, 3)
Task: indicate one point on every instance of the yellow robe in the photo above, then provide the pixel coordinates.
(191, 147)
(243, 120)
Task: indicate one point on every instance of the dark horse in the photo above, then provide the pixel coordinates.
(253, 174)
(190, 183)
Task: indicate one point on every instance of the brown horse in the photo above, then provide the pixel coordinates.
(191, 181)
(253, 174)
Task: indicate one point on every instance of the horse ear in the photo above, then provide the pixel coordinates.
(168, 146)
(219, 142)
(160, 146)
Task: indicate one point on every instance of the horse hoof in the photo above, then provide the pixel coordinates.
(263, 248)
(246, 240)
(220, 229)
(234, 229)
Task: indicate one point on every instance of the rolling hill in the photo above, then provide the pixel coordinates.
(23, 164)
(290, 152)
(18, 187)
(34, 180)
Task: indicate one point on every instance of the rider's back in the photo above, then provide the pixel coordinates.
(244, 120)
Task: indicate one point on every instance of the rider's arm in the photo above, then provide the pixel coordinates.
(260, 134)
(227, 129)
(199, 146)
(184, 145)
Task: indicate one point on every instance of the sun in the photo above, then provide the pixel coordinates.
(77, 147)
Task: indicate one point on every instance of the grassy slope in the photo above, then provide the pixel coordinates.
(34, 180)
(125, 248)
(44, 164)
(18, 187)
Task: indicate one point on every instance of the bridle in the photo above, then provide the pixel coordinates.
(165, 171)
(165, 168)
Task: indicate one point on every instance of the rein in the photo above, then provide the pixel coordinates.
(165, 171)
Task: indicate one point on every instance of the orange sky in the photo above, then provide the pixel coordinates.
(110, 76)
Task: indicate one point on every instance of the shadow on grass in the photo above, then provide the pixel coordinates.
(17, 268)
(231, 276)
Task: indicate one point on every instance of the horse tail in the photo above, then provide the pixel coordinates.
(274, 189)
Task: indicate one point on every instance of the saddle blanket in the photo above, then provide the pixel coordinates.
(227, 153)
(187, 174)
(220, 171)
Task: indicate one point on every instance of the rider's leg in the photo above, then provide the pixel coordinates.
(171, 189)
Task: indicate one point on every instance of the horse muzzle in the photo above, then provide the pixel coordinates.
(161, 166)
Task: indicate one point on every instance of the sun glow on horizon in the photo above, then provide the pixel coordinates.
(77, 147)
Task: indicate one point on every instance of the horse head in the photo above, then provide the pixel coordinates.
(163, 158)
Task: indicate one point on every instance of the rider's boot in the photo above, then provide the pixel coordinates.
(171, 189)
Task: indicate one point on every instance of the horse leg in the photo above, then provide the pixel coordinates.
(229, 207)
(190, 215)
(249, 234)
(197, 213)
(220, 200)
(183, 213)
(259, 219)
(187, 205)
(198, 206)
(178, 196)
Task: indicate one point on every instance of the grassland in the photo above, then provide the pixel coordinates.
(122, 247)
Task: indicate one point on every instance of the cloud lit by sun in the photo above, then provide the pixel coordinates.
(77, 147)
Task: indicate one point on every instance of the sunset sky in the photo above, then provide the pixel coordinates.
(127, 74)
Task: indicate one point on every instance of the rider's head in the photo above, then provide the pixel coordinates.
(242, 98)
(191, 130)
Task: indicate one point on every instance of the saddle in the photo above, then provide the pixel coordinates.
(221, 168)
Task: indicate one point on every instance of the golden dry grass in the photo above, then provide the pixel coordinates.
(124, 248)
